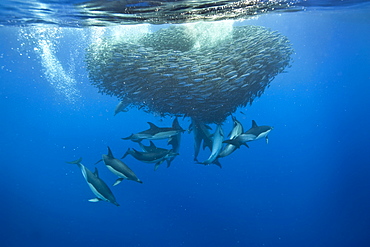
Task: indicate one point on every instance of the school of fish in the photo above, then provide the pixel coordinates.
(167, 74)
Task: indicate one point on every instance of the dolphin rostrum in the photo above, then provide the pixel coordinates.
(152, 155)
(236, 131)
(118, 168)
(156, 133)
(217, 139)
(96, 184)
(254, 133)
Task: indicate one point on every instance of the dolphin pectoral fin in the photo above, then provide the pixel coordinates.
(98, 161)
(245, 144)
(95, 200)
(267, 140)
(157, 165)
(118, 181)
(217, 163)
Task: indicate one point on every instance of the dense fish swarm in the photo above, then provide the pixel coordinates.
(165, 72)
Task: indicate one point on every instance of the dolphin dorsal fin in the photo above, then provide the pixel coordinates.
(110, 154)
(152, 145)
(176, 125)
(254, 124)
(96, 173)
(153, 126)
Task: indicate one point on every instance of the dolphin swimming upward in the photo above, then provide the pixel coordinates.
(254, 133)
(236, 131)
(118, 168)
(96, 184)
(174, 141)
(217, 139)
(156, 133)
(201, 133)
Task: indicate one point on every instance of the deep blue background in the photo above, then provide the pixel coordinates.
(310, 186)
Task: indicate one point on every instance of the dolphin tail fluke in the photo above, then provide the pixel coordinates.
(118, 181)
(77, 162)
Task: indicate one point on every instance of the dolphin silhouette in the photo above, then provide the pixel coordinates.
(217, 139)
(236, 131)
(157, 155)
(254, 133)
(121, 107)
(156, 133)
(201, 133)
(118, 168)
(96, 184)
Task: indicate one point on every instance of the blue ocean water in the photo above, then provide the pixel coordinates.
(309, 186)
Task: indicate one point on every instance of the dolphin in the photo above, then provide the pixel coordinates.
(153, 156)
(217, 139)
(96, 184)
(156, 133)
(254, 133)
(236, 131)
(174, 141)
(121, 107)
(118, 168)
(201, 133)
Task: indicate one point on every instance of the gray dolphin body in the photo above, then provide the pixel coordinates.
(96, 184)
(156, 133)
(119, 168)
(235, 132)
(174, 141)
(152, 155)
(254, 133)
(201, 134)
(218, 137)
(121, 107)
